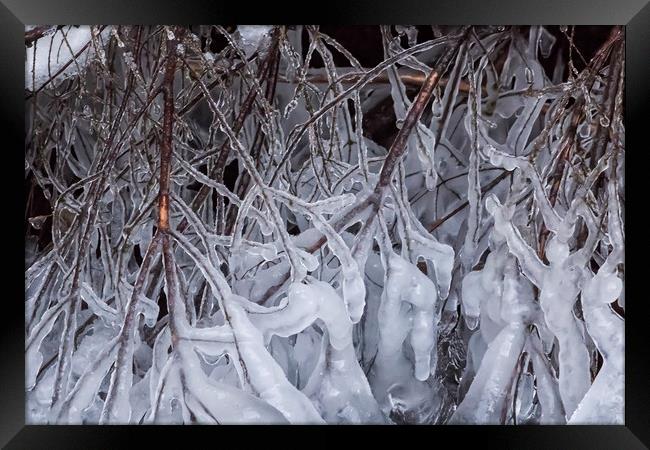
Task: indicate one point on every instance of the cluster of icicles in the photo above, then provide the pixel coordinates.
(229, 353)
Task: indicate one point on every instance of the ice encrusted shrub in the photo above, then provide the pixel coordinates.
(226, 238)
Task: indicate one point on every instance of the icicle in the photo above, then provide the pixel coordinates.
(405, 283)
(473, 180)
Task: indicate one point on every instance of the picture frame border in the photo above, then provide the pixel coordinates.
(15, 14)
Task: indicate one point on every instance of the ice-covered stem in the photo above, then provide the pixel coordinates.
(224, 151)
(558, 285)
(175, 306)
(485, 402)
(367, 206)
(116, 407)
(297, 263)
(473, 180)
(557, 296)
(174, 37)
(548, 391)
(87, 218)
(268, 70)
(407, 77)
(270, 384)
(421, 138)
(38, 32)
(614, 77)
(453, 86)
(509, 162)
(398, 147)
(489, 186)
(354, 291)
(530, 263)
(604, 402)
(570, 135)
(408, 305)
(167, 129)
(566, 146)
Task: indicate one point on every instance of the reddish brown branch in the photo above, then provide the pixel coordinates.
(168, 125)
(398, 148)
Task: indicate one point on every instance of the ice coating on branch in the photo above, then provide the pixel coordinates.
(604, 401)
(558, 292)
(210, 400)
(331, 310)
(548, 390)
(353, 287)
(422, 140)
(87, 386)
(505, 299)
(340, 389)
(33, 355)
(508, 162)
(304, 304)
(402, 367)
(485, 400)
(530, 263)
(419, 243)
(71, 49)
(558, 285)
(252, 36)
(268, 380)
(482, 292)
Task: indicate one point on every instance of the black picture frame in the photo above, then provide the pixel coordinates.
(15, 14)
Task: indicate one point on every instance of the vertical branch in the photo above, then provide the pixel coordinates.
(118, 388)
(173, 38)
(168, 125)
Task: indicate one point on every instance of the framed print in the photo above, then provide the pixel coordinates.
(359, 222)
